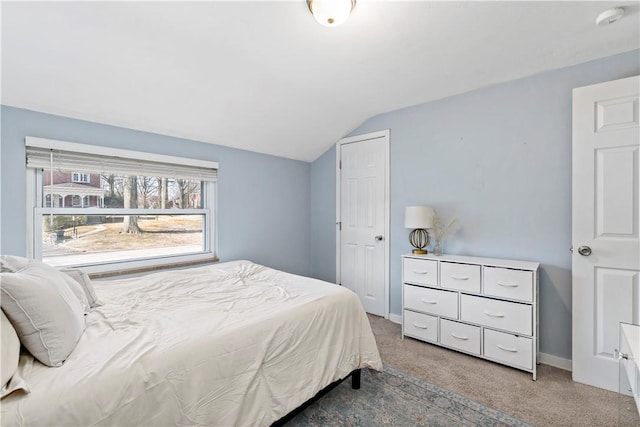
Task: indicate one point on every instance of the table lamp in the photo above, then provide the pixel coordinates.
(420, 218)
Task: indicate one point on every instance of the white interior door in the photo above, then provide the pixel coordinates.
(363, 219)
(606, 204)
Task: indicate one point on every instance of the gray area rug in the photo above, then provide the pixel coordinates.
(396, 398)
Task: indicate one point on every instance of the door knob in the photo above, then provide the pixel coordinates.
(584, 250)
(378, 238)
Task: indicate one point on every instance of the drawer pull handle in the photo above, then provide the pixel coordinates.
(420, 326)
(493, 314)
(512, 350)
(420, 272)
(508, 285)
(458, 337)
(428, 301)
(459, 277)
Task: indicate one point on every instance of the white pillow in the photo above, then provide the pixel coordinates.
(11, 263)
(84, 280)
(43, 309)
(9, 357)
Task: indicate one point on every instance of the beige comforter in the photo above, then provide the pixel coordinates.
(229, 344)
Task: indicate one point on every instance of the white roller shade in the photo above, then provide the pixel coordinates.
(122, 162)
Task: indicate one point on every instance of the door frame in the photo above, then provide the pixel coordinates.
(383, 134)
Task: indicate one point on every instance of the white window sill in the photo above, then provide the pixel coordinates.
(144, 265)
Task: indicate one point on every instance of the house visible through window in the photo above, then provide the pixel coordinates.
(106, 209)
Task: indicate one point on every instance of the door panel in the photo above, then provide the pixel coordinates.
(617, 213)
(606, 201)
(613, 286)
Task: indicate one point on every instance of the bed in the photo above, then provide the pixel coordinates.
(233, 343)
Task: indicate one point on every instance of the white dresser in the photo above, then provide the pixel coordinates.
(481, 306)
(629, 373)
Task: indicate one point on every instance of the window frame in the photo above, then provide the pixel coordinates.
(36, 211)
(81, 177)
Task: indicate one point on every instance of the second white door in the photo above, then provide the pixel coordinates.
(362, 219)
(606, 225)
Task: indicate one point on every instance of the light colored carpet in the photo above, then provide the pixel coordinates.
(553, 400)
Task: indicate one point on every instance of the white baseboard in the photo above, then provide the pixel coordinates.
(555, 361)
(547, 359)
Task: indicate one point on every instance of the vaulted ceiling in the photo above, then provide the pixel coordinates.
(264, 76)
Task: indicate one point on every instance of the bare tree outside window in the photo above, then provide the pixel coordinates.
(130, 222)
(188, 193)
(114, 194)
(163, 191)
(147, 187)
(110, 181)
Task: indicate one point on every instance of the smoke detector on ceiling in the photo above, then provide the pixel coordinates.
(609, 16)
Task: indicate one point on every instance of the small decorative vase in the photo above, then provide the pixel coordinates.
(437, 248)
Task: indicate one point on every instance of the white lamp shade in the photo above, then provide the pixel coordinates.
(331, 13)
(418, 217)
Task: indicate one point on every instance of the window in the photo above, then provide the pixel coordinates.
(134, 210)
(83, 178)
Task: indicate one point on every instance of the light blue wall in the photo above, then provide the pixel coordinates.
(263, 201)
(323, 213)
(499, 160)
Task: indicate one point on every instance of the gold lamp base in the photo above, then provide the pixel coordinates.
(419, 239)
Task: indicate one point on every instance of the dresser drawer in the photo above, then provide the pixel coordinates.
(420, 326)
(432, 301)
(460, 336)
(507, 283)
(420, 271)
(508, 316)
(462, 277)
(507, 348)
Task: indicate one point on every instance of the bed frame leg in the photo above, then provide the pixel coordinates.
(355, 379)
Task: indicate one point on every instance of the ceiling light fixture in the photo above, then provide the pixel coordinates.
(331, 13)
(609, 16)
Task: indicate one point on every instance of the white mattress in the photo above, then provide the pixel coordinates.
(229, 344)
